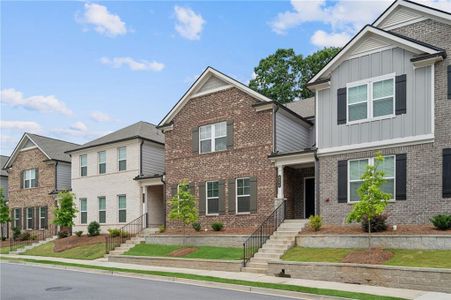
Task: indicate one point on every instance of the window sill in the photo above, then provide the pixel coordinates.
(212, 215)
(370, 120)
(243, 213)
(354, 202)
(214, 152)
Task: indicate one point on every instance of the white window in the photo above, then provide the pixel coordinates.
(102, 209)
(371, 99)
(102, 162)
(83, 165)
(122, 158)
(42, 217)
(30, 218)
(212, 195)
(17, 218)
(83, 211)
(29, 178)
(243, 195)
(213, 137)
(122, 199)
(357, 167)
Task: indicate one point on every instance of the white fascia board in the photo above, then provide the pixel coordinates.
(293, 159)
(17, 150)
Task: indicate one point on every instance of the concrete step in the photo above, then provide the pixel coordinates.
(294, 231)
(279, 241)
(286, 233)
(298, 221)
(116, 252)
(291, 225)
(268, 256)
(259, 260)
(276, 247)
(270, 251)
(254, 270)
(259, 264)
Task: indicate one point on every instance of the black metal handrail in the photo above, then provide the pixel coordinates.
(126, 232)
(256, 240)
(36, 235)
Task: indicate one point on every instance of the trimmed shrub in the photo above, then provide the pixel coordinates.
(62, 234)
(93, 228)
(162, 228)
(377, 223)
(196, 226)
(315, 222)
(441, 222)
(25, 236)
(114, 232)
(217, 226)
(16, 233)
(79, 233)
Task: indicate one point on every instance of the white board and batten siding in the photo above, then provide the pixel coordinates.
(417, 120)
(291, 133)
(212, 83)
(152, 158)
(63, 176)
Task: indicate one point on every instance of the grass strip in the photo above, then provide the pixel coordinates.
(276, 286)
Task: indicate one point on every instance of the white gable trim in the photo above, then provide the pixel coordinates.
(429, 11)
(18, 149)
(203, 77)
(218, 89)
(342, 55)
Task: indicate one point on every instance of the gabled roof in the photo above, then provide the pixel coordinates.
(303, 107)
(3, 160)
(143, 130)
(409, 44)
(206, 74)
(53, 149)
(411, 12)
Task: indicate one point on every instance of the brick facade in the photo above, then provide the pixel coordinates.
(32, 197)
(424, 162)
(248, 157)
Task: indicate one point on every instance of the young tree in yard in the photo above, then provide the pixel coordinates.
(283, 76)
(66, 210)
(4, 211)
(183, 207)
(373, 200)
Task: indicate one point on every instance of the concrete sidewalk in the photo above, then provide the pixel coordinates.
(374, 290)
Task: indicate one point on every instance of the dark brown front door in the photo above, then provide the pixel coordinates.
(309, 192)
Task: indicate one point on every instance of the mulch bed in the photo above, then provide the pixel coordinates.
(357, 229)
(182, 252)
(375, 256)
(75, 241)
(191, 231)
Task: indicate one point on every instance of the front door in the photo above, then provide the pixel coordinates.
(309, 196)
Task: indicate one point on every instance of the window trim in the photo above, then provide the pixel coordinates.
(24, 179)
(29, 218)
(208, 198)
(99, 163)
(237, 196)
(369, 82)
(371, 163)
(83, 166)
(83, 211)
(212, 137)
(119, 158)
(101, 210)
(119, 209)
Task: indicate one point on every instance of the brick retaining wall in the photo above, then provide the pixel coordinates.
(193, 240)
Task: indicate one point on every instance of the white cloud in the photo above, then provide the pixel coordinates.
(103, 21)
(28, 126)
(323, 39)
(78, 129)
(134, 65)
(37, 103)
(189, 24)
(100, 116)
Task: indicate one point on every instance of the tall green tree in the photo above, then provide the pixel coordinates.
(4, 211)
(183, 207)
(373, 200)
(283, 76)
(66, 211)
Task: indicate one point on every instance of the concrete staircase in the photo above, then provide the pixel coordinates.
(33, 245)
(124, 247)
(280, 241)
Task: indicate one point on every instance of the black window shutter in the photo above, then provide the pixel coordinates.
(195, 139)
(401, 94)
(342, 181)
(32, 218)
(174, 190)
(202, 198)
(446, 173)
(449, 82)
(24, 219)
(37, 177)
(22, 178)
(37, 211)
(341, 106)
(46, 220)
(191, 189)
(401, 176)
(253, 188)
(229, 134)
(12, 218)
(20, 218)
(232, 197)
(221, 197)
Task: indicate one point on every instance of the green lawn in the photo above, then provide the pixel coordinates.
(205, 252)
(82, 252)
(402, 257)
(4, 250)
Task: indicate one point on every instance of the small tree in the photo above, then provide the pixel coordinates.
(66, 210)
(183, 207)
(373, 200)
(4, 211)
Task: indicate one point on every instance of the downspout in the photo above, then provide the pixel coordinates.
(317, 184)
(163, 180)
(56, 176)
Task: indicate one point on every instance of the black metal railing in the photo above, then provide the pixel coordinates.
(30, 237)
(256, 240)
(126, 232)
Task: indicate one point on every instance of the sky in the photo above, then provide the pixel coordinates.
(78, 70)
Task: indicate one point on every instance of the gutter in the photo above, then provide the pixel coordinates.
(116, 141)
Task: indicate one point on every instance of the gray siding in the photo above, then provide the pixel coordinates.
(291, 133)
(212, 83)
(63, 176)
(152, 159)
(417, 121)
(4, 186)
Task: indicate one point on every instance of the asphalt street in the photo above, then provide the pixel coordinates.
(34, 282)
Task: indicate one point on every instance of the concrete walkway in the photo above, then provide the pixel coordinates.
(374, 290)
